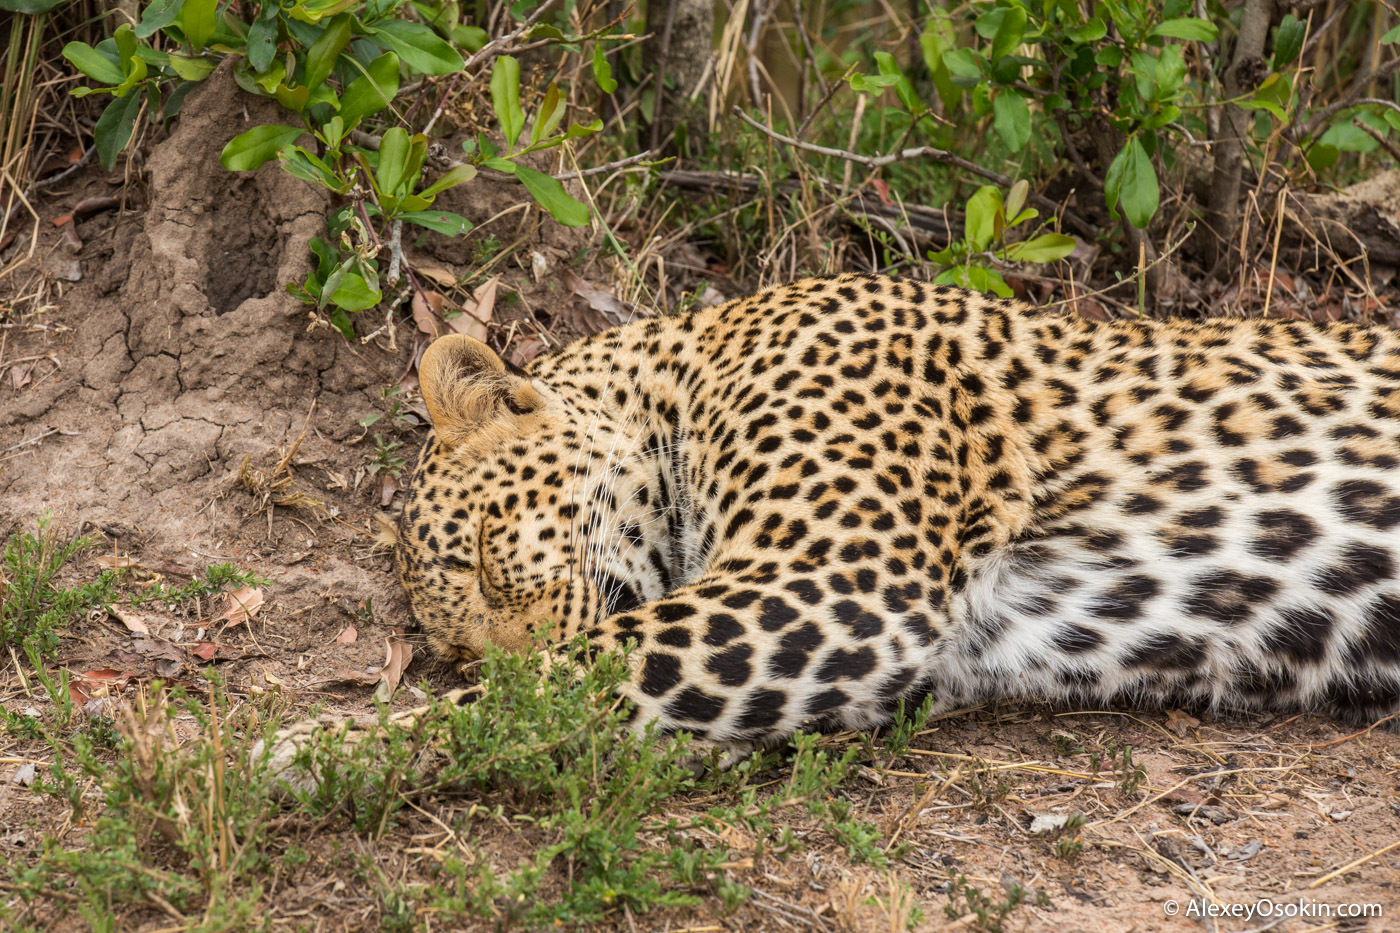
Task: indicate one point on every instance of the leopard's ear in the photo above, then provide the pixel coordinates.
(466, 388)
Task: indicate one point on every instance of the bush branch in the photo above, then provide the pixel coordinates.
(941, 156)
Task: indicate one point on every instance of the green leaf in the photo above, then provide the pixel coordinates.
(441, 221)
(1288, 41)
(902, 87)
(871, 84)
(125, 41)
(320, 58)
(248, 151)
(547, 117)
(198, 20)
(326, 256)
(981, 221)
(1009, 33)
(262, 39)
(552, 197)
(341, 321)
(1110, 56)
(309, 167)
(394, 152)
(1092, 31)
(418, 47)
(1048, 247)
(580, 130)
(964, 65)
(1132, 181)
(1323, 157)
(499, 164)
(602, 70)
(1186, 27)
(1347, 138)
(113, 129)
(176, 100)
(1273, 95)
(989, 22)
(93, 63)
(977, 279)
(313, 11)
(1391, 37)
(157, 16)
(372, 91)
(1012, 119)
(471, 38)
(192, 69)
(505, 98)
(453, 177)
(353, 293)
(32, 7)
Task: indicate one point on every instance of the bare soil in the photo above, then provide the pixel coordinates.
(130, 403)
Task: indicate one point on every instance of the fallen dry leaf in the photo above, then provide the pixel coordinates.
(604, 308)
(427, 312)
(1180, 722)
(95, 205)
(131, 620)
(347, 636)
(476, 314)
(525, 350)
(243, 604)
(205, 650)
(398, 654)
(83, 687)
(387, 488)
(438, 274)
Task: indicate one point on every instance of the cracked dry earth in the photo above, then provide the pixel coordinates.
(178, 354)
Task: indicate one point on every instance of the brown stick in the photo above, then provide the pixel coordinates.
(1223, 212)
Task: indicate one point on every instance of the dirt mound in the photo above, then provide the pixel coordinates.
(186, 353)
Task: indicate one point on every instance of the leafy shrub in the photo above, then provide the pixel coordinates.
(337, 65)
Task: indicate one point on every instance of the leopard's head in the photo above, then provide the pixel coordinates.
(529, 510)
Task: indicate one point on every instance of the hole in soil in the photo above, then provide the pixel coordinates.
(242, 260)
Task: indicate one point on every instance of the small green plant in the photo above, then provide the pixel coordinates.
(386, 457)
(557, 751)
(393, 410)
(983, 912)
(988, 219)
(1066, 744)
(184, 820)
(988, 784)
(32, 608)
(215, 579)
(904, 727)
(1068, 842)
(1129, 774)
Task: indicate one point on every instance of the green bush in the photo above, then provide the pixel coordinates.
(337, 66)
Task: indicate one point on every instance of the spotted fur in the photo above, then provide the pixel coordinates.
(808, 503)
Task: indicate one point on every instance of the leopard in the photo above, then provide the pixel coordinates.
(798, 509)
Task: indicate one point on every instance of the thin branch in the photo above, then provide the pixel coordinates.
(922, 152)
(1351, 99)
(1370, 131)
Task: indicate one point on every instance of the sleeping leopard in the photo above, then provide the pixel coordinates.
(802, 506)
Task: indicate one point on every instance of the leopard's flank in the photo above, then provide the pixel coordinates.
(806, 504)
